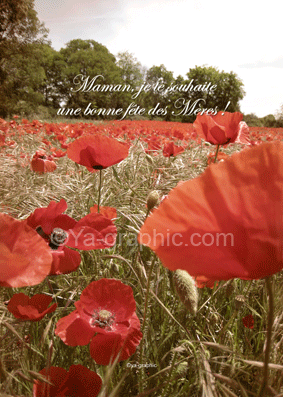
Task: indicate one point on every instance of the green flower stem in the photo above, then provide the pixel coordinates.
(99, 190)
(264, 383)
(141, 369)
(218, 146)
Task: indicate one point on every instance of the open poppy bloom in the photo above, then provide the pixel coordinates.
(42, 163)
(105, 317)
(79, 381)
(33, 309)
(97, 152)
(226, 223)
(248, 321)
(62, 233)
(170, 149)
(219, 129)
(25, 259)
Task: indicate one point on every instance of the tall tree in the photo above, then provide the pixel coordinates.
(133, 74)
(159, 78)
(19, 30)
(89, 61)
(208, 88)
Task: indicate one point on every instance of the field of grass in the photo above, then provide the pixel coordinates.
(206, 353)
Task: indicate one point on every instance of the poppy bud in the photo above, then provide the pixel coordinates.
(186, 289)
(152, 200)
(239, 301)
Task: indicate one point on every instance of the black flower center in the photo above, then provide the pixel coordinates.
(57, 238)
(97, 167)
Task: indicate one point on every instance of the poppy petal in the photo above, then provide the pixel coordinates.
(94, 231)
(109, 294)
(227, 223)
(108, 212)
(25, 258)
(65, 261)
(45, 217)
(105, 348)
(56, 376)
(73, 330)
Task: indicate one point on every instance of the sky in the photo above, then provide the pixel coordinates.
(244, 37)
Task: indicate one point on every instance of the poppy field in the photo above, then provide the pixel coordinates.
(141, 258)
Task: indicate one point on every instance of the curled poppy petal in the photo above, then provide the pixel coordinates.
(226, 223)
(34, 308)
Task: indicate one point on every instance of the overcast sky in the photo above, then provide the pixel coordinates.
(244, 37)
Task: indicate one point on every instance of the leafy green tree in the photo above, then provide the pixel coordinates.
(159, 78)
(20, 29)
(208, 88)
(53, 65)
(132, 71)
(279, 117)
(133, 74)
(89, 64)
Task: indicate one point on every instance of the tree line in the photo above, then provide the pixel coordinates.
(35, 79)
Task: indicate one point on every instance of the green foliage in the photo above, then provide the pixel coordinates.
(228, 91)
(20, 30)
(88, 59)
(269, 121)
(161, 76)
(252, 120)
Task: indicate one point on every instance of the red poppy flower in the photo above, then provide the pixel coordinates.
(25, 259)
(104, 317)
(218, 129)
(34, 308)
(248, 321)
(79, 381)
(108, 212)
(97, 152)
(93, 231)
(226, 223)
(170, 149)
(42, 163)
